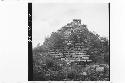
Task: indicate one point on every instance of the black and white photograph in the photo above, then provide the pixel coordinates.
(69, 41)
(65, 41)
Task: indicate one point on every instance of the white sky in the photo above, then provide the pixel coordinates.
(49, 17)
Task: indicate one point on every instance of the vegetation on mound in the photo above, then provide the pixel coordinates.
(47, 66)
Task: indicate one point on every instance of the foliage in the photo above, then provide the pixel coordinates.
(46, 67)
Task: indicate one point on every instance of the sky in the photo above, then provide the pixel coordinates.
(49, 17)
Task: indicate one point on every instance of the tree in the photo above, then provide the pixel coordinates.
(55, 41)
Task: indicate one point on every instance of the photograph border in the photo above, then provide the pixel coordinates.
(30, 58)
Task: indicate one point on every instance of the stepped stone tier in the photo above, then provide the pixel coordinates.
(76, 52)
